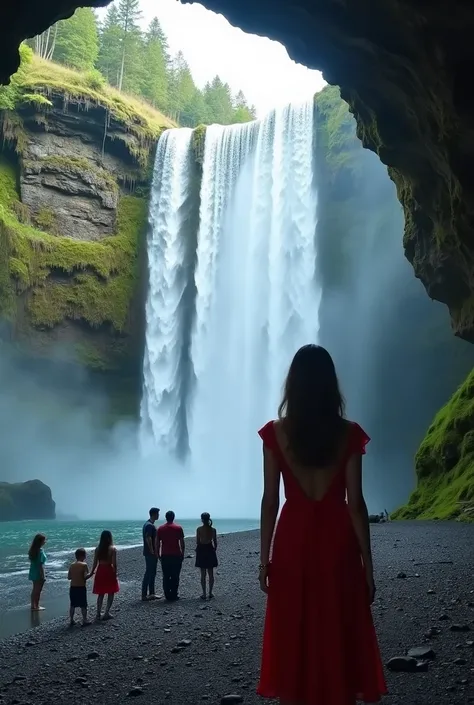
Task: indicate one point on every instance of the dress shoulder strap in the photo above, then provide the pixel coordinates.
(359, 440)
(267, 434)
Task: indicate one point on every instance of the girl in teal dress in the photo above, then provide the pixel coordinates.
(37, 558)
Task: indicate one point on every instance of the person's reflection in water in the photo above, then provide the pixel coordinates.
(35, 620)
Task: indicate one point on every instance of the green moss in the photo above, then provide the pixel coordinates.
(46, 220)
(91, 357)
(10, 95)
(36, 99)
(336, 130)
(13, 131)
(198, 143)
(98, 278)
(445, 463)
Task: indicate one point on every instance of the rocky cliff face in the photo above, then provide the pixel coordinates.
(75, 171)
(392, 342)
(26, 500)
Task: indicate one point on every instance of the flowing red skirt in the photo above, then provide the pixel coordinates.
(105, 581)
(319, 642)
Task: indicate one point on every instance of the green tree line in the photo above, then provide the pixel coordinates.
(138, 62)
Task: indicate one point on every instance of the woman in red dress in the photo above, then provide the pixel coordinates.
(319, 643)
(105, 581)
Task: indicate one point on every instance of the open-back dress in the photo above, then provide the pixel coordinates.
(319, 643)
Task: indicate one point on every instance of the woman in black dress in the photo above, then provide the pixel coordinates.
(206, 558)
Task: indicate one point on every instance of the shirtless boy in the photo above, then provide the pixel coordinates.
(78, 574)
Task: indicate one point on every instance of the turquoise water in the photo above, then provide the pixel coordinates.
(63, 537)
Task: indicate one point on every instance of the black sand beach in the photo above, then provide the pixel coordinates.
(135, 655)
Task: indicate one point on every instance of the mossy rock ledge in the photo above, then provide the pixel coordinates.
(445, 463)
(74, 180)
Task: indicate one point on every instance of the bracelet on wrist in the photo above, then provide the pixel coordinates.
(263, 566)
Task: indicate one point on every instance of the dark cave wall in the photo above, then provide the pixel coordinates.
(398, 359)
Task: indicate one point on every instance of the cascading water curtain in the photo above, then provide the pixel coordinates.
(257, 298)
(166, 255)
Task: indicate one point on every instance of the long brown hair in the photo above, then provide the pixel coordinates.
(105, 542)
(36, 546)
(312, 408)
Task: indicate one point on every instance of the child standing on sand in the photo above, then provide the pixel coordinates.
(78, 574)
(37, 558)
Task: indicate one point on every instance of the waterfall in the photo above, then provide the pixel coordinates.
(161, 401)
(256, 298)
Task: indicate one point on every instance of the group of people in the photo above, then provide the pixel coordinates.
(316, 568)
(165, 544)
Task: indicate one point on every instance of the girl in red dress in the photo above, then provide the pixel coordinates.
(105, 581)
(319, 643)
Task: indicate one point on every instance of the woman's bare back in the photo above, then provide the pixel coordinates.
(313, 481)
(206, 534)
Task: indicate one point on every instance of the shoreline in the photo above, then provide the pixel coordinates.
(17, 617)
(137, 653)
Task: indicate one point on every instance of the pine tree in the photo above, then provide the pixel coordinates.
(195, 110)
(242, 111)
(219, 102)
(77, 41)
(182, 89)
(128, 15)
(110, 37)
(155, 31)
(155, 81)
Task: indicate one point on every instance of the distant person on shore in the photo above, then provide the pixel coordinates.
(206, 557)
(319, 643)
(36, 573)
(77, 575)
(105, 581)
(150, 554)
(170, 548)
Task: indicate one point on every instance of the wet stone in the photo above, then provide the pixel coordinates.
(406, 664)
(135, 692)
(460, 628)
(422, 653)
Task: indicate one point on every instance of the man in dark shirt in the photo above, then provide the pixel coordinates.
(170, 540)
(151, 555)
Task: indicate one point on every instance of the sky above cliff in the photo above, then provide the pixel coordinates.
(259, 67)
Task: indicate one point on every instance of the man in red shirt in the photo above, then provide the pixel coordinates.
(170, 545)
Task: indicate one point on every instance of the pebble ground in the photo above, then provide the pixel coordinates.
(134, 656)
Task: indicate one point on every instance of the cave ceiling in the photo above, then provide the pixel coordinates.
(405, 68)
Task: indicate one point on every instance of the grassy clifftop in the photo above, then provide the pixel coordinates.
(445, 463)
(50, 279)
(38, 82)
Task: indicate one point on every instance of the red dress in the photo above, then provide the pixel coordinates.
(105, 581)
(319, 641)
